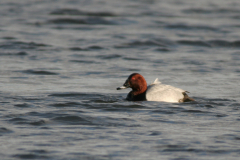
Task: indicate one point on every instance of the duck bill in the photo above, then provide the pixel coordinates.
(119, 88)
(125, 85)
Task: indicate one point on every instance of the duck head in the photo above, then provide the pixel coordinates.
(135, 81)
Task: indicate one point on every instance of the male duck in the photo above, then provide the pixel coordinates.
(154, 92)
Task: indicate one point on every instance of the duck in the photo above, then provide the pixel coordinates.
(154, 92)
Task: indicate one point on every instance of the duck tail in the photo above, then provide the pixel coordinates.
(186, 98)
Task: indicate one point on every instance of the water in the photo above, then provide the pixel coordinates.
(61, 61)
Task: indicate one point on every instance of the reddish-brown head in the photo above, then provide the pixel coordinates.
(136, 82)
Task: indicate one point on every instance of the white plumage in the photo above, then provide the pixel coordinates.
(161, 92)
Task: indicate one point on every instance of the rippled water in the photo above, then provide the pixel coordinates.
(61, 61)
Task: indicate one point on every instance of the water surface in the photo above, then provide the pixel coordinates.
(61, 61)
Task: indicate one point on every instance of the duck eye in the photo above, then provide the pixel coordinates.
(133, 78)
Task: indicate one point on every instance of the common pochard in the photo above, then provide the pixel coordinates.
(154, 92)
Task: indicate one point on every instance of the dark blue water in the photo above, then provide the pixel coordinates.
(61, 61)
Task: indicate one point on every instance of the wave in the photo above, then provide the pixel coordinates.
(210, 11)
(39, 72)
(85, 21)
(190, 27)
(14, 54)
(138, 43)
(22, 45)
(90, 48)
(211, 43)
(67, 11)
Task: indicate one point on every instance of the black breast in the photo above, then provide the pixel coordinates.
(139, 97)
